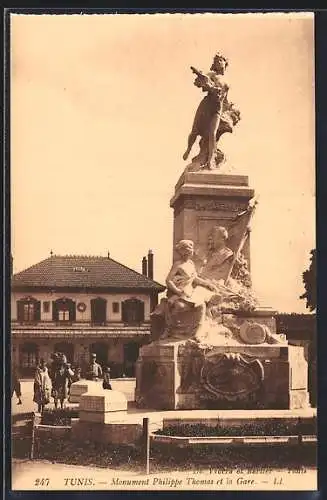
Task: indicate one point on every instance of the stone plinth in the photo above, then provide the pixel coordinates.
(99, 404)
(182, 375)
(103, 419)
(205, 199)
(81, 387)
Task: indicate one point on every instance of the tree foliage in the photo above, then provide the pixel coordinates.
(309, 278)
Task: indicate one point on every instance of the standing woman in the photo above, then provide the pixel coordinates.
(61, 383)
(15, 384)
(42, 386)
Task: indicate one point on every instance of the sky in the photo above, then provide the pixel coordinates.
(101, 107)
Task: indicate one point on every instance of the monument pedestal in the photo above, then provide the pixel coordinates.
(205, 199)
(183, 375)
(81, 387)
(103, 419)
(98, 405)
(241, 362)
(252, 367)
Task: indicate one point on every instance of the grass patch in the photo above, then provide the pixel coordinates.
(65, 450)
(166, 458)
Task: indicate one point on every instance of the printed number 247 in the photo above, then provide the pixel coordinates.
(44, 481)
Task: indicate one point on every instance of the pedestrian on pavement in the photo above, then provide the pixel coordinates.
(42, 386)
(106, 378)
(71, 375)
(53, 366)
(15, 384)
(77, 374)
(94, 371)
(61, 382)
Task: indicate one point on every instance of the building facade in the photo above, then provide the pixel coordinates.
(82, 304)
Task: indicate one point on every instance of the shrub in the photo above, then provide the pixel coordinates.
(248, 429)
(58, 416)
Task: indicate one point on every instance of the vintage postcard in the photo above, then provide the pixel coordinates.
(163, 304)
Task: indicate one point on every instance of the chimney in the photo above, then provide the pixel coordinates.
(150, 264)
(108, 256)
(144, 266)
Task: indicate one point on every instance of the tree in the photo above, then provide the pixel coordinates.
(310, 283)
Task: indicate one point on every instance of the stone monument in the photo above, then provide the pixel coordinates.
(215, 346)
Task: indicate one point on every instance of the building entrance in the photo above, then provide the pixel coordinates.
(131, 353)
(101, 350)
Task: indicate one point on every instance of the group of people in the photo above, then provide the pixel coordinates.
(55, 381)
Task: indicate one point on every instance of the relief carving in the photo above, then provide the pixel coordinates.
(231, 377)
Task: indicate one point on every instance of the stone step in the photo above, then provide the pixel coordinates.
(234, 440)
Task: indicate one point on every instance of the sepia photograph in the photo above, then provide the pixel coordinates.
(163, 252)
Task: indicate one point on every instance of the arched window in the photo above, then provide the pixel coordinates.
(28, 356)
(64, 310)
(98, 310)
(133, 311)
(28, 310)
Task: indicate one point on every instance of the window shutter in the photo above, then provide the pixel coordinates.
(140, 311)
(20, 310)
(37, 313)
(55, 314)
(124, 307)
(72, 311)
(104, 310)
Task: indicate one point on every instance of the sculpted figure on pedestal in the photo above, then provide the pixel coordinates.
(214, 116)
(191, 300)
(221, 263)
(187, 294)
(218, 260)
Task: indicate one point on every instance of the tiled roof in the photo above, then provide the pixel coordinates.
(80, 271)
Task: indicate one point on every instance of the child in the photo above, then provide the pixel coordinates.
(106, 378)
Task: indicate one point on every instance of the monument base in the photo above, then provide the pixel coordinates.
(174, 375)
(99, 404)
(81, 387)
(97, 410)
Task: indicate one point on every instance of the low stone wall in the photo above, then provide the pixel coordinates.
(115, 433)
(56, 431)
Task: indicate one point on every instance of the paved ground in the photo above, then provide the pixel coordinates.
(126, 386)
